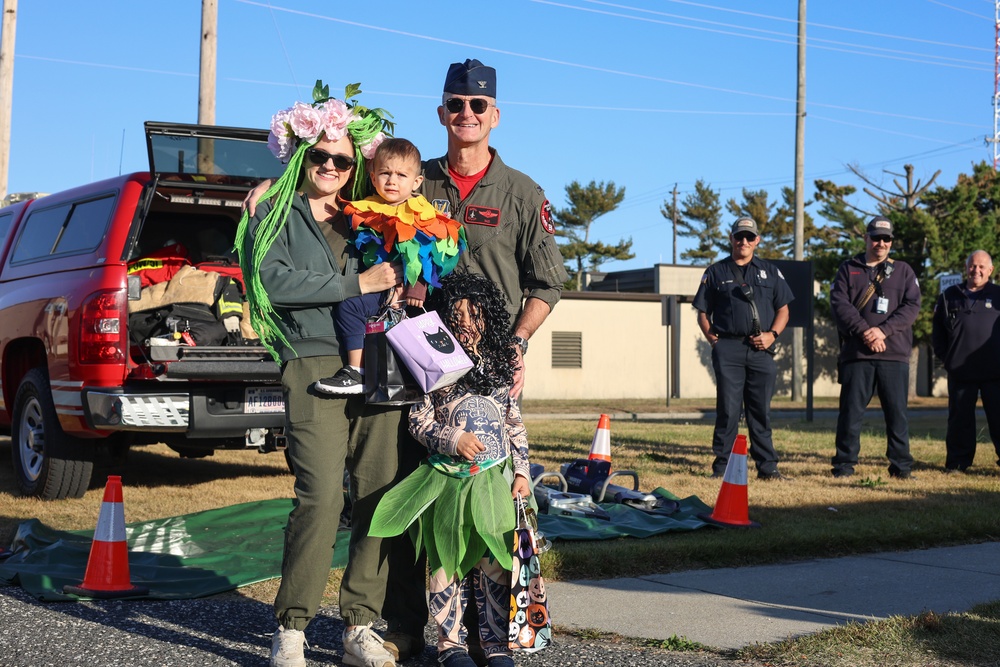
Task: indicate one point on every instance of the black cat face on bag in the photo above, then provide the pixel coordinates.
(440, 341)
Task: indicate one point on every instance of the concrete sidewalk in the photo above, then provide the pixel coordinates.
(735, 607)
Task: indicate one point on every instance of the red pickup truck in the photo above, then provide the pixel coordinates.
(96, 344)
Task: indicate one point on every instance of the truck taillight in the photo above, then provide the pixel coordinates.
(102, 327)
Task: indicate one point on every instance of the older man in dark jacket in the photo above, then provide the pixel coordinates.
(966, 338)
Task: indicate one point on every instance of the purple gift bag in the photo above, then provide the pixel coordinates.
(429, 351)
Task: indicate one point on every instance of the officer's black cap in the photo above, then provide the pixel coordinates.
(880, 226)
(471, 78)
(744, 224)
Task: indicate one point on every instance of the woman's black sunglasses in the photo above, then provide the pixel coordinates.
(477, 104)
(319, 157)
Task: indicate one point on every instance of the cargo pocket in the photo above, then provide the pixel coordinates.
(545, 264)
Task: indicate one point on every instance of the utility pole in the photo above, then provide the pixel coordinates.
(675, 219)
(206, 81)
(800, 161)
(209, 50)
(6, 87)
(995, 139)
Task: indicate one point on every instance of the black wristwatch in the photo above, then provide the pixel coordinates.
(522, 343)
(773, 333)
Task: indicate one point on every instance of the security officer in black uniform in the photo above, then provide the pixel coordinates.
(742, 308)
(966, 337)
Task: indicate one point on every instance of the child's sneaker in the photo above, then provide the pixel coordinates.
(456, 657)
(345, 381)
(363, 648)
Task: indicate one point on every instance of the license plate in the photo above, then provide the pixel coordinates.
(263, 400)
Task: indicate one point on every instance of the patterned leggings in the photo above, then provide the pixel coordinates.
(449, 595)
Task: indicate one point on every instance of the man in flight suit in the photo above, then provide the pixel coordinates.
(966, 337)
(742, 308)
(511, 241)
(506, 215)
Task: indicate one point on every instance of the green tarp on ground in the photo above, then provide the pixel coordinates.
(210, 552)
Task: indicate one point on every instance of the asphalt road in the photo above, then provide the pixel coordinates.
(230, 630)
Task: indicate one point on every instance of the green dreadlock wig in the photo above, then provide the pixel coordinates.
(293, 131)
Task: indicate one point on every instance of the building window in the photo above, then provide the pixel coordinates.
(567, 349)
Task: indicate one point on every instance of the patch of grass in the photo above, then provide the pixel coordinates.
(675, 643)
(870, 483)
(589, 634)
(942, 640)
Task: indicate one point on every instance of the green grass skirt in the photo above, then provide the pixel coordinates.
(457, 520)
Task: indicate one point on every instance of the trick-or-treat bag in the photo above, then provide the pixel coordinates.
(430, 352)
(530, 625)
(387, 381)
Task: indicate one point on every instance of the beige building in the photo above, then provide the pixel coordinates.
(613, 345)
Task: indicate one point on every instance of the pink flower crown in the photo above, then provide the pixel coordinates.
(331, 118)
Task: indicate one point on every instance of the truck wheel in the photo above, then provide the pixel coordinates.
(47, 462)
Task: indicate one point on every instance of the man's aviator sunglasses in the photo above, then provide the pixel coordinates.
(319, 158)
(477, 104)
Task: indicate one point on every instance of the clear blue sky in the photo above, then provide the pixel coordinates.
(645, 93)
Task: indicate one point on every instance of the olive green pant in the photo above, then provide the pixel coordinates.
(324, 434)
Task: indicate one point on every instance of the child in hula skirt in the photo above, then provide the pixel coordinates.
(458, 503)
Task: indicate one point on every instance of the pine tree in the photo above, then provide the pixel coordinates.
(586, 205)
(700, 218)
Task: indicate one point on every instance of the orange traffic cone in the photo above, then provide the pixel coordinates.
(600, 449)
(107, 568)
(731, 509)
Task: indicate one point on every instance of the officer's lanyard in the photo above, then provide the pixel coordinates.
(882, 271)
(874, 279)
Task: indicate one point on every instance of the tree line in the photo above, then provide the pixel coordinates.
(935, 227)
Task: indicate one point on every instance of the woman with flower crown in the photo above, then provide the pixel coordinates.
(298, 264)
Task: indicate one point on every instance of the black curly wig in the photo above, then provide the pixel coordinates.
(495, 359)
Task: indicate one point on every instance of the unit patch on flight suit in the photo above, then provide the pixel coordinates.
(482, 215)
(442, 206)
(547, 217)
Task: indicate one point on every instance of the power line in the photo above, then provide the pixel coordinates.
(592, 68)
(830, 27)
(958, 9)
(786, 37)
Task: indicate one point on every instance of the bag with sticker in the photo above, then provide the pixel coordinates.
(530, 625)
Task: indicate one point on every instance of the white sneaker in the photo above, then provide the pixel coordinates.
(363, 648)
(286, 648)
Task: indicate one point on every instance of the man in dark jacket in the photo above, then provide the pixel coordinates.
(875, 301)
(966, 337)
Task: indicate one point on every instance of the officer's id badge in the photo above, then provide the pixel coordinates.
(704, 278)
(882, 305)
(442, 206)
(763, 274)
(547, 217)
(989, 303)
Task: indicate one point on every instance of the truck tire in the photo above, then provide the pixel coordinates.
(47, 463)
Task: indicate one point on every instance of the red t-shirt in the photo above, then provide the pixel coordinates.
(466, 183)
